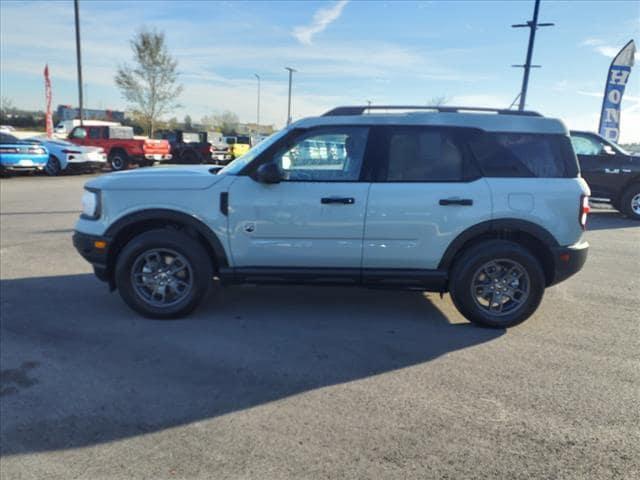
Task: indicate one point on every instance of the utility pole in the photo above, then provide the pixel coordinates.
(291, 70)
(533, 26)
(78, 60)
(258, 115)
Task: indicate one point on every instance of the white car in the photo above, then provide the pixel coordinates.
(66, 156)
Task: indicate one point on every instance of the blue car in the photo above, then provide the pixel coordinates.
(20, 156)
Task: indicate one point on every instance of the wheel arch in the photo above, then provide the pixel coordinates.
(539, 241)
(126, 228)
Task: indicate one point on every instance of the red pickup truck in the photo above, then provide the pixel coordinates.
(120, 146)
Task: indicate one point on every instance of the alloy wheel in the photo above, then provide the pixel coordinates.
(500, 287)
(162, 277)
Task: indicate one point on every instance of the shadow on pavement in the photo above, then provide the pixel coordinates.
(608, 220)
(79, 368)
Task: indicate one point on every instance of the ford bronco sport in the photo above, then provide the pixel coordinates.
(486, 205)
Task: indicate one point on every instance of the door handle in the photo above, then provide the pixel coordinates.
(343, 200)
(456, 201)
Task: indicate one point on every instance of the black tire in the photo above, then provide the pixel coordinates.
(199, 275)
(190, 157)
(630, 201)
(52, 168)
(118, 160)
(468, 267)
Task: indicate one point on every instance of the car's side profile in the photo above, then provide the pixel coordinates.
(489, 208)
(65, 156)
(611, 172)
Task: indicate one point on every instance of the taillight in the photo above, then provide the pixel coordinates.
(584, 211)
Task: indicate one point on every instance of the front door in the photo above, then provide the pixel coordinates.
(599, 165)
(313, 218)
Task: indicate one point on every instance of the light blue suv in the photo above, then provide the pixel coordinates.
(487, 205)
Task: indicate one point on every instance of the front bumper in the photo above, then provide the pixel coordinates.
(87, 246)
(86, 165)
(569, 260)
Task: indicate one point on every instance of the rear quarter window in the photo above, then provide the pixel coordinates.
(524, 155)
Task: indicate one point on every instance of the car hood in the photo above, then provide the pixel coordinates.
(196, 177)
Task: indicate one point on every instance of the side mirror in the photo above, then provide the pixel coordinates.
(609, 150)
(268, 173)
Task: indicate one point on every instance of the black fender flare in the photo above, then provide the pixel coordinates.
(497, 225)
(168, 215)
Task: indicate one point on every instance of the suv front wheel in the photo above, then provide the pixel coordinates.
(163, 273)
(497, 283)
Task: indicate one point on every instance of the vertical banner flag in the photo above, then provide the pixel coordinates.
(47, 95)
(617, 77)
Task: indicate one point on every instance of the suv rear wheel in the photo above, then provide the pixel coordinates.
(163, 274)
(630, 201)
(497, 283)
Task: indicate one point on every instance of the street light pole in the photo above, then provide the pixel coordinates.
(533, 26)
(78, 60)
(291, 70)
(258, 115)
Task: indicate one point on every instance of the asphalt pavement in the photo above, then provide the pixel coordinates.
(307, 382)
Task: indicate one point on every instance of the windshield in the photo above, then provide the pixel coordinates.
(239, 163)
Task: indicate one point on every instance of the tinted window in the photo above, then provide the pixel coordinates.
(6, 138)
(94, 133)
(584, 145)
(325, 154)
(423, 155)
(524, 155)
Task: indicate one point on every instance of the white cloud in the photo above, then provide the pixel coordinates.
(321, 20)
(600, 46)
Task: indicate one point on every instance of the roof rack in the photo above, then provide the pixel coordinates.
(361, 109)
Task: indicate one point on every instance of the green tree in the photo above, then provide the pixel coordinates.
(187, 123)
(228, 122)
(151, 84)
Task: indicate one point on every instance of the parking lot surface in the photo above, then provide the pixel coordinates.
(308, 382)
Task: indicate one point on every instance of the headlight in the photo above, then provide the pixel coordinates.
(91, 204)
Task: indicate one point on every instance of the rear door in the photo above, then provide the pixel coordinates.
(314, 218)
(426, 193)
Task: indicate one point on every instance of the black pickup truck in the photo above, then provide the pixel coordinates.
(611, 172)
(187, 147)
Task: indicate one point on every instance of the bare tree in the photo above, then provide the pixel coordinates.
(438, 101)
(151, 84)
(6, 105)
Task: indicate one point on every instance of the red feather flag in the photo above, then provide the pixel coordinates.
(47, 95)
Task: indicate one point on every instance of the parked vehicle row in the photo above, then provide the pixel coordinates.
(50, 155)
(121, 147)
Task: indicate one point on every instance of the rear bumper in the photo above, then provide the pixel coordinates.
(569, 260)
(86, 246)
(157, 157)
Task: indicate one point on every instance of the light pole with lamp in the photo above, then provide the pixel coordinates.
(291, 70)
(258, 108)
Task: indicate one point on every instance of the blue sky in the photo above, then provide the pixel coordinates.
(346, 53)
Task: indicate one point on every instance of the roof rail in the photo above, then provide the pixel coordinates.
(361, 109)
